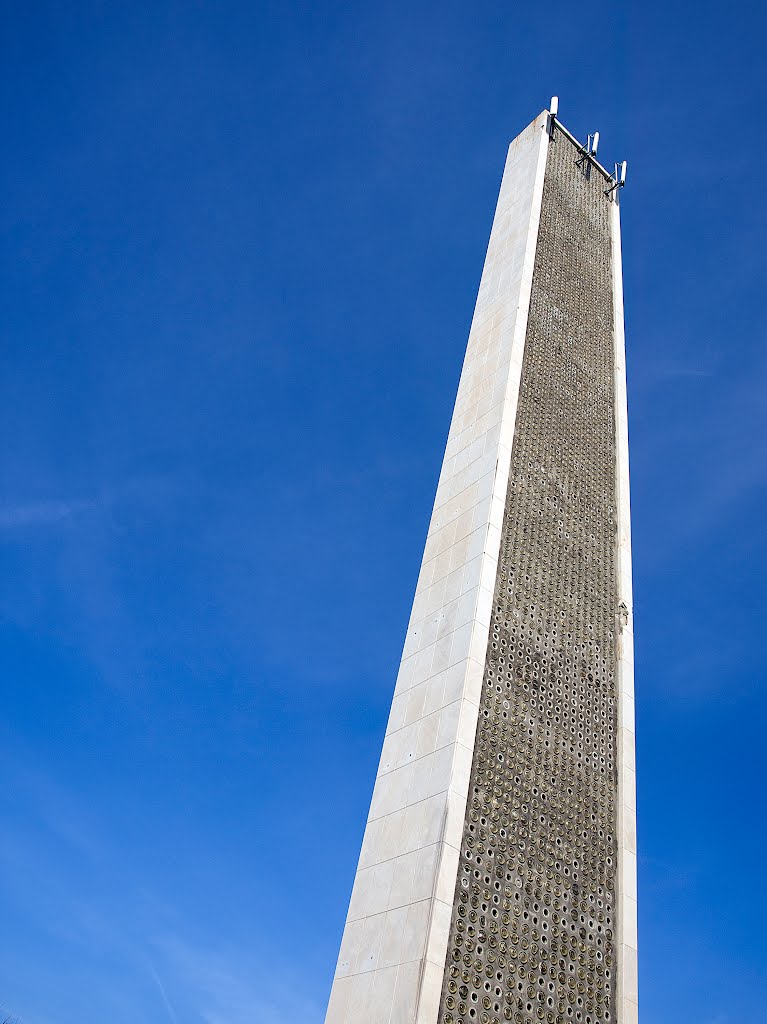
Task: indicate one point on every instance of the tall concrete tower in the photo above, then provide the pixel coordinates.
(497, 877)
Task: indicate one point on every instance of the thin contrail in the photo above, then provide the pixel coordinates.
(164, 994)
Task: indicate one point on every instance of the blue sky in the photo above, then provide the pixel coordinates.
(240, 249)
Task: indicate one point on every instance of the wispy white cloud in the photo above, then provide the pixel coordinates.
(166, 1000)
(16, 515)
(234, 986)
(19, 513)
(671, 372)
(79, 583)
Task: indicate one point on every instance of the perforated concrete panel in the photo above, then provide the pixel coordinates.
(534, 914)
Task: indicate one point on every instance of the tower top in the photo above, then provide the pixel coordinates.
(589, 151)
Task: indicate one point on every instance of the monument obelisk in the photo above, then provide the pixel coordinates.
(497, 877)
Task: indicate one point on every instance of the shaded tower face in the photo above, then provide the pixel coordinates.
(497, 880)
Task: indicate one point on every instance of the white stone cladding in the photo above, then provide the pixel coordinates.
(626, 939)
(394, 945)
